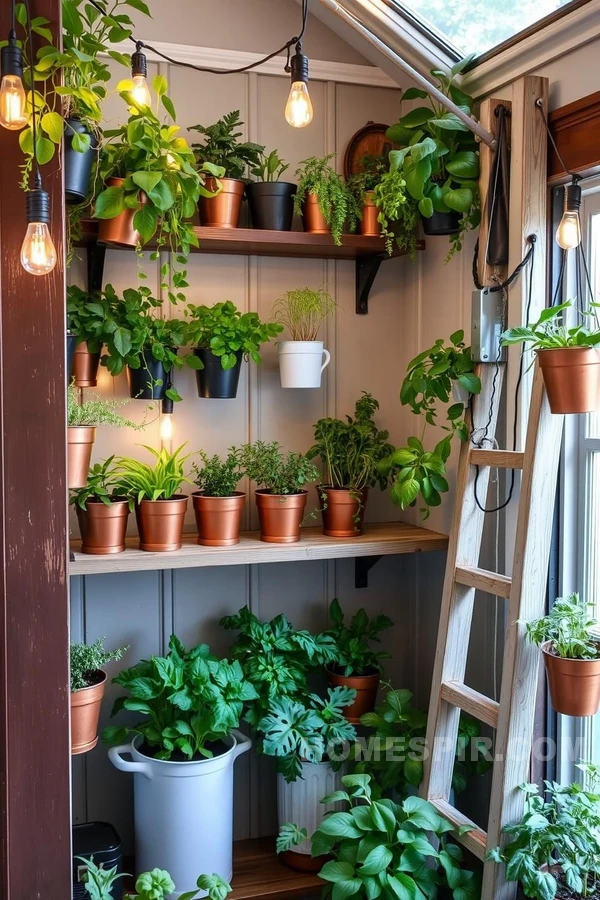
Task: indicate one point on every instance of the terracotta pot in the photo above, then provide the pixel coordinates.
(280, 516)
(85, 713)
(368, 223)
(222, 211)
(574, 684)
(572, 379)
(343, 511)
(120, 230)
(103, 527)
(313, 219)
(85, 366)
(366, 687)
(160, 523)
(80, 440)
(218, 519)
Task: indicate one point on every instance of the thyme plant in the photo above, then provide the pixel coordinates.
(217, 477)
(87, 660)
(275, 471)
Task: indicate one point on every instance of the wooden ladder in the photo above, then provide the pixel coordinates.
(513, 717)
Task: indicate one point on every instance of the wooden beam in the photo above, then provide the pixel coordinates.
(576, 131)
(473, 702)
(35, 833)
(487, 117)
(483, 580)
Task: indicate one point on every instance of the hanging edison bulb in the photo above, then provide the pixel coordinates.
(13, 100)
(38, 254)
(139, 73)
(568, 233)
(298, 109)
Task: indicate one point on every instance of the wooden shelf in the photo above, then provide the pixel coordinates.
(258, 873)
(378, 540)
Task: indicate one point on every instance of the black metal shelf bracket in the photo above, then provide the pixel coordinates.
(362, 567)
(367, 268)
(96, 254)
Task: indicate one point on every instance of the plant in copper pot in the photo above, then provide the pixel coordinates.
(571, 656)
(218, 505)
(153, 490)
(102, 514)
(363, 184)
(271, 200)
(324, 199)
(89, 319)
(351, 451)
(280, 495)
(82, 421)
(88, 681)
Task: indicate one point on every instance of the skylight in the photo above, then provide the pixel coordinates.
(476, 26)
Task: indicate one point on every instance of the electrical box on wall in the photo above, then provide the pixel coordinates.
(487, 325)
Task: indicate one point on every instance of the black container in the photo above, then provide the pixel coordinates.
(441, 223)
(142, 381)
(78, 166)
(271, 204)
(100, 840)
(215, 382)
(71, 345)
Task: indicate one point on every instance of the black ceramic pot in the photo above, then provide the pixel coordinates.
(71, 344)
(78, 166)
(441, 223)
(271, 204)
(215, 382)
(142, 381)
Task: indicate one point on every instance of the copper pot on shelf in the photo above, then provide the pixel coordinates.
(343, 511)
(572, 379)
(85, 714)
(280, 516)
(160, 524)
(368, 223)
(366, 687)
(103, 528)
(80, 440)
(218, 519)
(574, 684)
(119, 230)
(85, 366)
(223, 210)
(313, 219)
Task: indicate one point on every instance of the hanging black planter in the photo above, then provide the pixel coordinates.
(71, 344)
(215, 382)
(142, 381)
(78, 166)
(441, 223)
(271, 204)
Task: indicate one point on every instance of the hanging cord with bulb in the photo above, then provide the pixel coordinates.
(37, 184)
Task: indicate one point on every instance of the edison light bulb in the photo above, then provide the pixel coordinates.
(38, 256)
(298, 109)
(165, 430)
(568, 233)
(13, 103)
(140, 91)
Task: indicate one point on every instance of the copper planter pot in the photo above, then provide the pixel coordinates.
(366, 687)
(120, 230)
(313, 219)
(80, 440)
(574, 684)
(103, 528)
(85, 366)
(343, 511)
(160, 524)
(572, 379)
(222, 211)
(85, 713)
(218, 519)
(280, 516)
(368, 223)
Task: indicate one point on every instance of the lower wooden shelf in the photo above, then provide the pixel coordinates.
(257, 872)
(378, 540)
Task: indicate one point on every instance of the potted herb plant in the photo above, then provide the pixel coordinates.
(571, 656)
(439, 159)
(271, 200)
(396, 211)
(569, 358)
(363, 184)
(222, 337)
(184, 746)
(98, 881)
(280, 495)
(324, 199)
(356, 665)
(88, 318)
(303, 358)
(82, 421)
(87, 690)
(218, 506)
(101, 513)
(153, 491)
(351, 452)
(222, 148)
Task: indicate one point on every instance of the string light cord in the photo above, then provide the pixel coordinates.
(36, 167)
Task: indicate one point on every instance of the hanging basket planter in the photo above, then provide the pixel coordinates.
(85, 714)
(218, 519)
(103, 527)
(223, 210)
(78, 165)
(366, 687)
(214, 382)
(80, 440)
(85, 366)
(301, 363)
(150, 381)
(343, 511)
(280, 516)
(572, 379)
(441, 223)
(574, 684)
(271, 204)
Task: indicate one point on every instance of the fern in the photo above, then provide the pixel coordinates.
(336, 200)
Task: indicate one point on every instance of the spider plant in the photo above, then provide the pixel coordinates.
(141, 481)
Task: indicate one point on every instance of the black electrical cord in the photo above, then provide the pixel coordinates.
(494, 288)
(37, 174)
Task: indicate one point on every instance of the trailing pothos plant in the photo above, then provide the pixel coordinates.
(188, 700)
(438, 155)
(385, 849)
(336, 199)
(413, 470)
(354, 656)
(227, 332)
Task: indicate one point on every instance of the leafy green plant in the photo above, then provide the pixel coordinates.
(100, 487)
(99, 882)
(95, 411)
(220, 146)
(551, 333)
(89, 317)
(217, 477)
(269, 167)
(383, 849)
(438, 155)
(567, 628)
(369, 176)
(397, 212)
(190, 700)
(154, 885)
(414, 470)
(216, 888)
(275, 471)
(227, 332)
(354, 656)
(336, 200)
(140, 481)
(303, 311)
(87, 660)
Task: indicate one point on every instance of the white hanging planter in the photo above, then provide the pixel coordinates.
(300, 801)
(459, 393)
(183, 812)
(301, 363)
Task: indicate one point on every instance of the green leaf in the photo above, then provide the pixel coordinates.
(110, 203)
(145, 222)
(336, 871)
(465, 164)
(343, 889)
(53, 125)
(340, 824)
(416, 117)
(377, 861)
(414, 93)
(470, 382)
(81, 143)
(426, 207)
(459, 199)
(146, 180)
(160, 85)
(45, 150)
(168, 105)
(449, 122)
(139, 5)
(71, 20)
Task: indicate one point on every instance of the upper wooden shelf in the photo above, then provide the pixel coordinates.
(378, 540)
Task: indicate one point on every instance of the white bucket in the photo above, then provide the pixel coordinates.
(299, 802)
(183, 812)
(301, 363)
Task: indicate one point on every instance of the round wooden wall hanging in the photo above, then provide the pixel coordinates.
(370, 140)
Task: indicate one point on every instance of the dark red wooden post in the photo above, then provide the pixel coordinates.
(35, 830)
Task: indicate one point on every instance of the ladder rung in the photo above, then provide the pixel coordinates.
(474, 840)
(483, 580)
(478, 705)
(498, 459)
